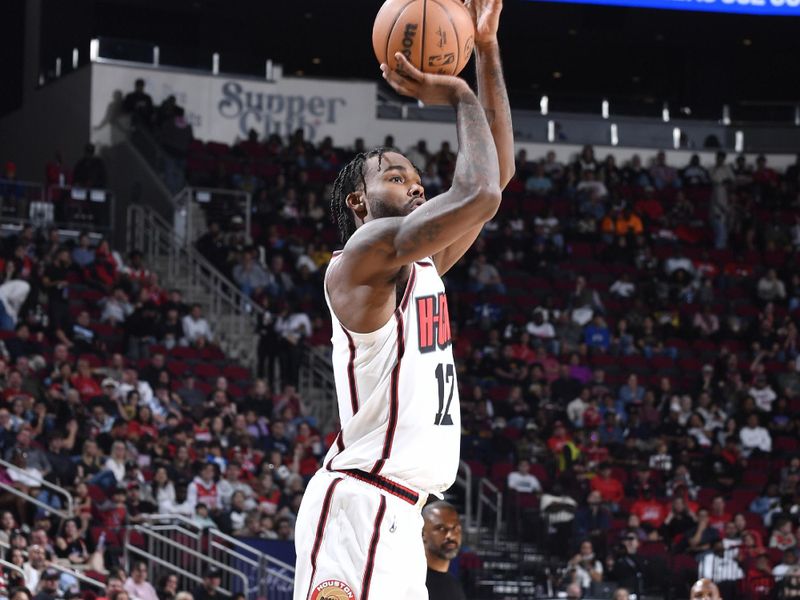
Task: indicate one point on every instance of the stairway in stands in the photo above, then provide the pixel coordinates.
(497, 562)
(509, 569)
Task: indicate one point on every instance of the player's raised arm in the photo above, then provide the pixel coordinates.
(387, 244)
(494, 98)
(491, 83)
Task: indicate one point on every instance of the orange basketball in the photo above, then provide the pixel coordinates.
(437, 36)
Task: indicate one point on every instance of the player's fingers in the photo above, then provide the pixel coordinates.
(405, 68)
(397, 82)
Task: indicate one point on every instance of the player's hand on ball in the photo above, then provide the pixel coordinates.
(430, 89)
(486, 15)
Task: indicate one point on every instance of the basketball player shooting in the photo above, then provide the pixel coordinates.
(358, 531)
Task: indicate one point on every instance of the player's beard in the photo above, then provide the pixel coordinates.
(381, 208)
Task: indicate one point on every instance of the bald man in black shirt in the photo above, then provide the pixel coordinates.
(704, 589)
(441, 536)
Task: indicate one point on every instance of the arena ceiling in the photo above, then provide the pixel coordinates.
(575, 54)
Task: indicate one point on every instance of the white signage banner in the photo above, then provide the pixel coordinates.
(224, 109)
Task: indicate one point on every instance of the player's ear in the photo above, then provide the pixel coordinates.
(357, 202)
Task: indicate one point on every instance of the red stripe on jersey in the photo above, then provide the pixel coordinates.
(394, 400)
(339, 446)
(351, 371)
(323, 519)
(373, 546)
(412, 279)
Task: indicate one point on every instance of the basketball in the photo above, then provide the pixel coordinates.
(437, 36)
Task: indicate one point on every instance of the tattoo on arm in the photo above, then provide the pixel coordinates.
(427, 233)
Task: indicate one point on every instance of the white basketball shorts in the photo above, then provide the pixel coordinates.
(359, 536)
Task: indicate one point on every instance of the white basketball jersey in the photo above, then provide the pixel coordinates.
(397, 390)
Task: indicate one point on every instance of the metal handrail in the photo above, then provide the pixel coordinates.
(152, 558)
(46, 484)
(317, 384)
(12, 566)
(171, 518)
(77, 575)
(25, 184)
(191, 552)
(150, 233)
(28, 498)
(496, 505)
(465, 481)
(215, 533)
(58, 567)
(218, 540)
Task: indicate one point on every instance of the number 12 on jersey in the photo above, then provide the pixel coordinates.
(445, 376)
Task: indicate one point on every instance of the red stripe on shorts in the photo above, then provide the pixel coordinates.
(323, 519)
(373, 546)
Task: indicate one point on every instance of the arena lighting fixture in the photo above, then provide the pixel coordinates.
(94, 50)
(738, 143)
(156, 56)
(544, 105)
(215, 63)
(665, 113)
(551, 131)
(604, 109)
(75, 58)
(676, 138)
(614, 135)
(726, 115)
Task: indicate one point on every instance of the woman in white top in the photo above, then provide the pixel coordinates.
(162, 491)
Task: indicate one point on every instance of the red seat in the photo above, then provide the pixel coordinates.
(706, 495)
(207, 370)
(477, 468)
(683, 563)
(538, 471)
(741, 499)
(237, 372)
(786, 445)
(500, 472)
(653, 549)
(755, 479)
(662, 362)
(177, 367)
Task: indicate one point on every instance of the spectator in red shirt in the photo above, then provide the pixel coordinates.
(114, 513)
(759, 581)
(718, 516)
(559, 438)
(649, 206)
(83, 381)
(650, 511)
(610, 488)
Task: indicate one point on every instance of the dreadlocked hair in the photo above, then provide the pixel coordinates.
(351, 179)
